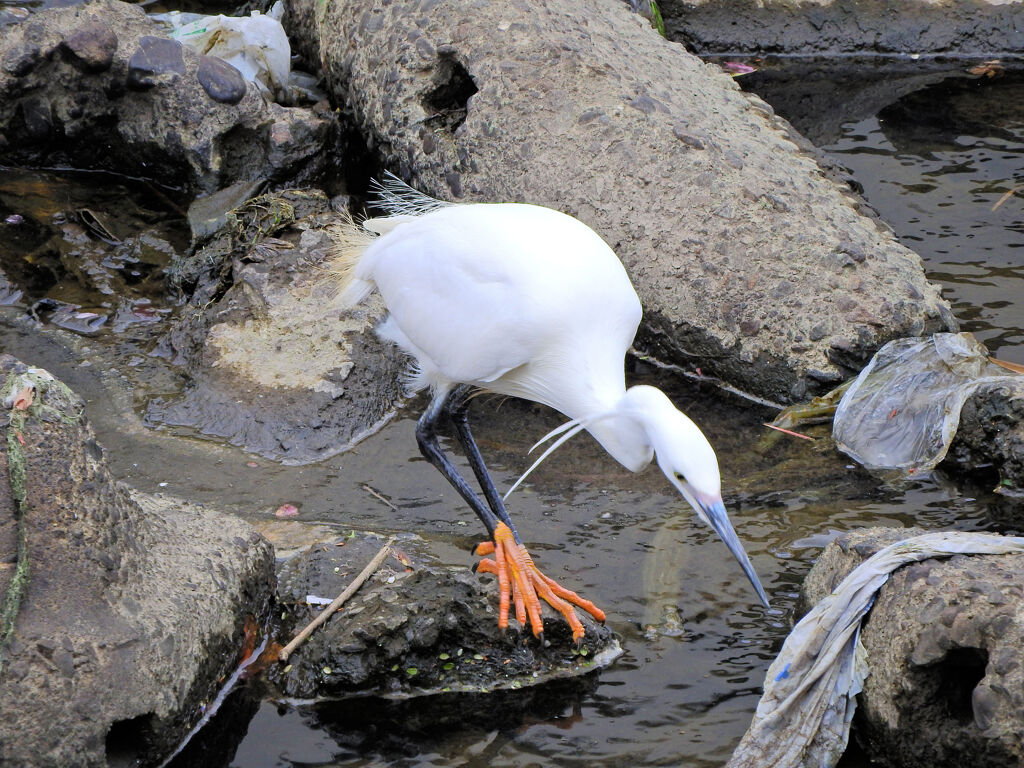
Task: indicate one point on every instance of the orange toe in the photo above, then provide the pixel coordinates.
(522, 584)
(484, 548)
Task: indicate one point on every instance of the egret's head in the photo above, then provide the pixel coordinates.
(688, 461)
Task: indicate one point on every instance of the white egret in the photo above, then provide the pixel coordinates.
(525, 301)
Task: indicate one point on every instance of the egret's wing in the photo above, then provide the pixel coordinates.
(482, 289)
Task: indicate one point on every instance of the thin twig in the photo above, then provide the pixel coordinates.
(376, 494)
(790, 432)
(350, 590)
(1006, 196)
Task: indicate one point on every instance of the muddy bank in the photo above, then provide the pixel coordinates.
(821, 95)
(751, 264)
(964, 27)
(131, 606)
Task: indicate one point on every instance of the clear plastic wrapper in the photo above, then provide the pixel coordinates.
(903, 410)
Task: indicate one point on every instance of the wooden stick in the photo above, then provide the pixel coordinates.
(350, 590)
(1006, 196)
(790, 432)
(1015, 367)
(374, 493)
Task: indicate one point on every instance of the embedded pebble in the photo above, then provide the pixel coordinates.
(221, 81)
(155, 56)
(22, 60)
(92, 47)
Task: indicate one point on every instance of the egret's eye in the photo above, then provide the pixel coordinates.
(679, 477)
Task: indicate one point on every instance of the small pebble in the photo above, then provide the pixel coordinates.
(221, 81)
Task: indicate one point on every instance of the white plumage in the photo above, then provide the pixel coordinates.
(529, 302)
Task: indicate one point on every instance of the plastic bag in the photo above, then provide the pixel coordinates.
(255, 45)
(903, 410)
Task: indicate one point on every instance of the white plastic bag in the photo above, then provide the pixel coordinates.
(256, 45)
(810, 691)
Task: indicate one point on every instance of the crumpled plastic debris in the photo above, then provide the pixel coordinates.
(903, 410)
(803, 718)
(255, 45)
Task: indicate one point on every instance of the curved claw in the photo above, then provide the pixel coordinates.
(521, 583)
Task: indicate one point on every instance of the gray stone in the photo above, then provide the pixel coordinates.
(37, 116)
(92, 47)
(991, 433)
(134, 607)
(220, 80)
(120, 97)
(21, 60)
(503, 130)
(945, 686)
(154, 57)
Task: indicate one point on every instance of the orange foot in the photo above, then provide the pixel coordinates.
(527, 584)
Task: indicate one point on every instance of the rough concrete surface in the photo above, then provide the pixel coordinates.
(991, 434)
(963, 27)
(751, 264)
(134, 606)
(945, 684)
(98, 86)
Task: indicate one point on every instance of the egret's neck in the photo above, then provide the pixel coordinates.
(622, 434)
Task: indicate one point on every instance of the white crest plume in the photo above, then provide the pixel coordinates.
(399, 199)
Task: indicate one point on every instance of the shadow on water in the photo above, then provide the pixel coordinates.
(696, 641)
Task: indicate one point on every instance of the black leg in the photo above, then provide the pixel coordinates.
(426, 436)
(457, 406)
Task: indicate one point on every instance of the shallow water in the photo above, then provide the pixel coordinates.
(944, 166)
(683, 693)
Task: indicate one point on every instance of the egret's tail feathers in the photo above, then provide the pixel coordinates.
(351, 239)
(399, 199)
(570, 428)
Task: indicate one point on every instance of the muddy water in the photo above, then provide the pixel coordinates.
(697, 643)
